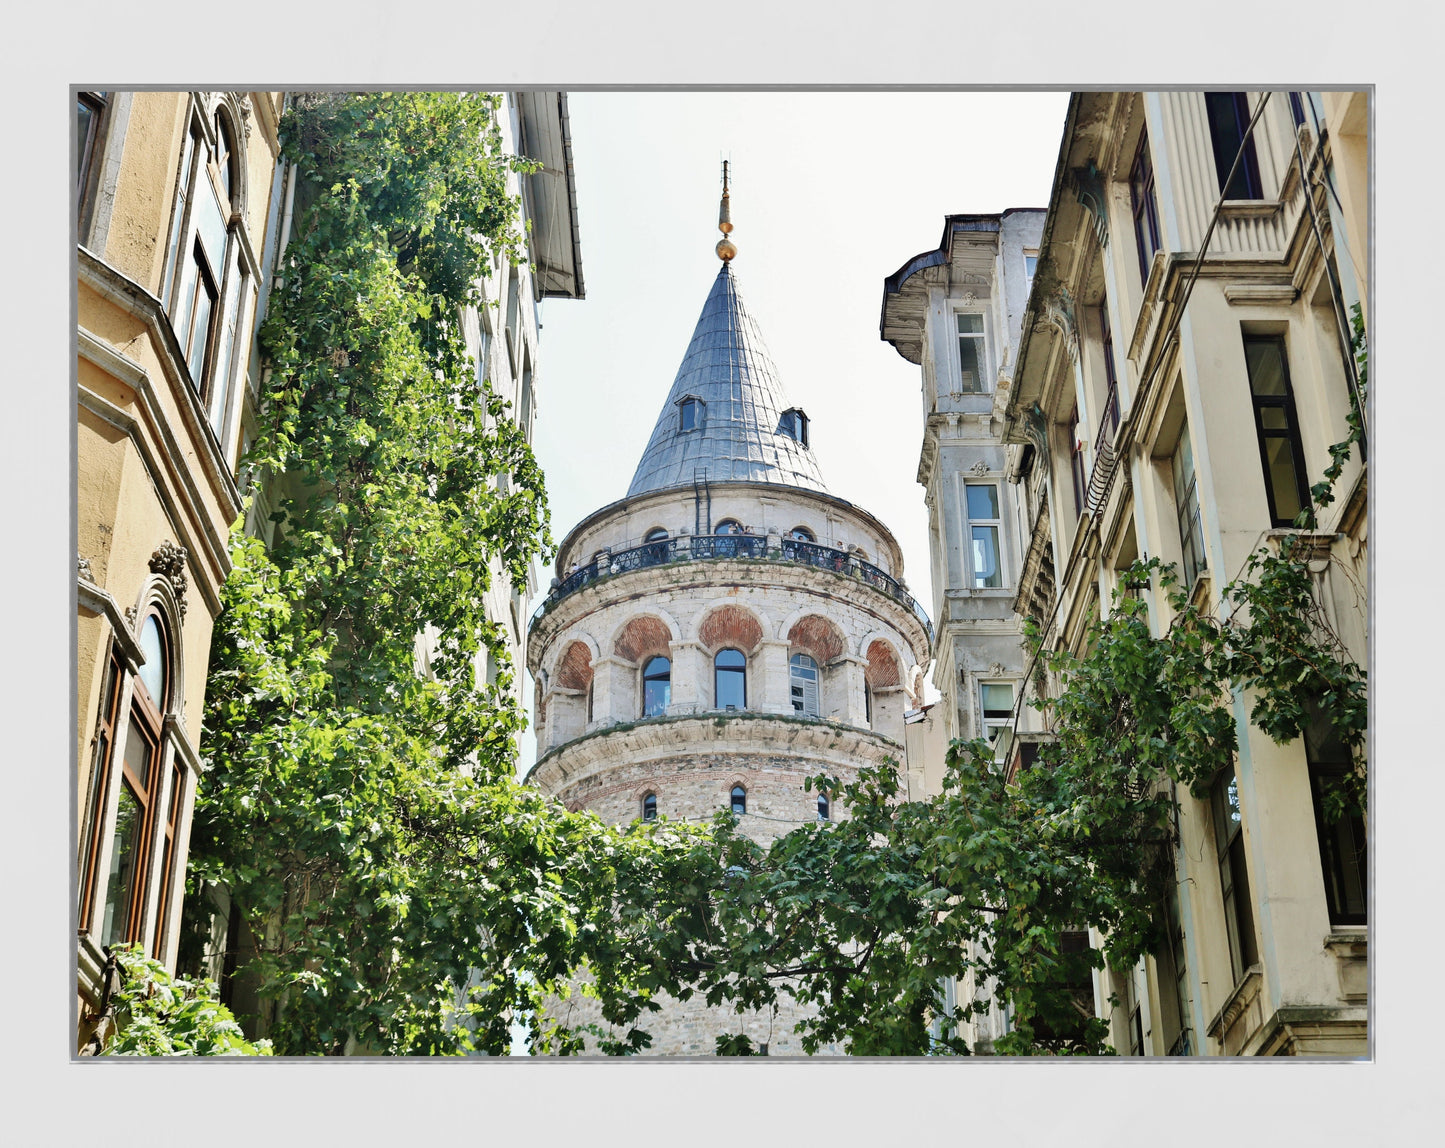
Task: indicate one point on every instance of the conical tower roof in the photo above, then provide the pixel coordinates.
(738, 438)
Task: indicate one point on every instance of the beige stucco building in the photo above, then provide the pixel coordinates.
(1163, 409)
(727, 630)
(176, 206)
(184, 208)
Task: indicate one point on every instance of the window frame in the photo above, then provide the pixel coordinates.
(690, 404)
(1235, 106)
(146, 719)
(995, 524)
(108, 727)
(649, 675)
(649, 807)
(1076, 463)
(1194, 559)
(98, 104)
(1290, 432)
(802, 534)
(1144, 206)
(1228, 823)
(718, 668)
(980, 351)
(1329, 762)
(825, 808)
(794, 678)
(794, 425)
(1110, 416)
(738, 800)
(996, 724)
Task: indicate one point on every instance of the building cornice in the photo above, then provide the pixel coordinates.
(117, 288)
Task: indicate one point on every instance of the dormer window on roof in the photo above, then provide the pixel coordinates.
(689, 413)
(794, 424)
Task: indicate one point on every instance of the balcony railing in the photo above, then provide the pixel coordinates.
(704, 547)
(1106, 462)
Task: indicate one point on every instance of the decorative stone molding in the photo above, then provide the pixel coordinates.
(82, 568)
(169, 562)
(978, 469)
(969, 299)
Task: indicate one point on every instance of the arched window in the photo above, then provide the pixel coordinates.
(649, 807)
(801, 534)
(656, 687)
(657, 535)
(728, 526)
(803, 678)
(131, 835)
(689, 414)
(794, 424)
(740, 799)
(867, 702)
(823, 807)
(730, 680)
(226, 158)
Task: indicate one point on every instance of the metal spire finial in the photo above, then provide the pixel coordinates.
(726, 249)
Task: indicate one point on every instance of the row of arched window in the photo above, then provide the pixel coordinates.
(739, 804)
(730, 683)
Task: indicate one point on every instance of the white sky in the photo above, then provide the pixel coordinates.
(831, 193)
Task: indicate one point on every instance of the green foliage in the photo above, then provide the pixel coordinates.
(404, 893)
(161, 1015)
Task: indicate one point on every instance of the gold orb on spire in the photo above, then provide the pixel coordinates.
(726, 248)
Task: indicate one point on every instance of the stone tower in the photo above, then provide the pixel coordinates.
(725, 631)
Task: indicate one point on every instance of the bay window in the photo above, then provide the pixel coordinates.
(970, 354)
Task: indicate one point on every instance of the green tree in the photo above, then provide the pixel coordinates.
(404, 893)
(160, 1015)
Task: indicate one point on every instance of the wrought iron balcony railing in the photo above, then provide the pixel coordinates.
(703, 547)
(1106, 462)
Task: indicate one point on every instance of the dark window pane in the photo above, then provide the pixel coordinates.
(649, 807)
(1265, 358)
(1228, 119)
(1283, 478)
(656, 687)
(84, 125)
(125, 851)
(689, 415)
(1273, 418)
(822, 807)
(739, 799)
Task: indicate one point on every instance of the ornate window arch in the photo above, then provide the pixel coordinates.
(141, 775)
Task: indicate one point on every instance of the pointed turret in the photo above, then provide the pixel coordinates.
(725, 413)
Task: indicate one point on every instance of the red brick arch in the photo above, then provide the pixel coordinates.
(643, 637)
(574, 668)
(817, 636)
(882, 670)
(730, 626)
